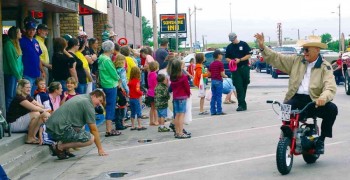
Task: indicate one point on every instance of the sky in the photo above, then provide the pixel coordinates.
(252, 16)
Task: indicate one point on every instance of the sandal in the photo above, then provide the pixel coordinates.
(232, 101)
(203, 113)
(141, 128)
(69, 154)
(113, 133)
(59, 153)
(227, 102)
(134, 128)
(144, 117)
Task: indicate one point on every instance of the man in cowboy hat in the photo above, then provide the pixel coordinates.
(311, 79)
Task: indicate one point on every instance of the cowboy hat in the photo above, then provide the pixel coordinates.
(312, 41)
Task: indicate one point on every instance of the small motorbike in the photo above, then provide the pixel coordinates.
(298, 137)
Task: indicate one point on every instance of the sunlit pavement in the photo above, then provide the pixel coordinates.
(239, 145)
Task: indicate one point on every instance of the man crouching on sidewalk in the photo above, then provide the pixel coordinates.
(66, 123)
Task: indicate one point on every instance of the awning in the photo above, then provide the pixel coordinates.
(58, 6)
(93, 6)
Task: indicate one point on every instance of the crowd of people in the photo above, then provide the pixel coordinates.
(52, 99)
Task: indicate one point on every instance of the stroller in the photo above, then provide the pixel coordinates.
(4, 126)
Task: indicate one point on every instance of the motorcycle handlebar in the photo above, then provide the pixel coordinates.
(293, 111)
(273, 102)
(306, 107)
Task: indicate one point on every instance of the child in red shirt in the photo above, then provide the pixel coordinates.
(135, 94)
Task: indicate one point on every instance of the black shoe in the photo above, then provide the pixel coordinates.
(69, 154)
(172, 126)
(185, 132)
(222, 113)
(319, 147)
(241, 108)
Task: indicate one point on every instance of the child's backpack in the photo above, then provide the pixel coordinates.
(121, 98)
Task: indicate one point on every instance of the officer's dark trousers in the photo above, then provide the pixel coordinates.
(328, 113)
(241, 79)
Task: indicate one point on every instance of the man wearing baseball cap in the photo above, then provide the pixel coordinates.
(42, 32)
(31, 54)
(310, 79)
(239, 52)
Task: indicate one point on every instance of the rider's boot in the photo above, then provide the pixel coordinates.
(320, 146)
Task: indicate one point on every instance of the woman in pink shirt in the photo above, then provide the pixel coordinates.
(55, 91)
(152, 83)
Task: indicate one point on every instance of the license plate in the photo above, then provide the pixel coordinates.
(285, 112)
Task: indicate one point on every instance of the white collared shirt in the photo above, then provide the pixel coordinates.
(304, 85)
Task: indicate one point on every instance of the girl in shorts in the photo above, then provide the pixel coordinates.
(135, 95)
(199, 71)
(181, 91)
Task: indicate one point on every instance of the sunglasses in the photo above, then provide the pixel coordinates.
(305, 50)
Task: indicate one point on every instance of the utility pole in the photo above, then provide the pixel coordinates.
(230, 17)
(176, 28)
(154, 19)
(339, 29)
(189, 14)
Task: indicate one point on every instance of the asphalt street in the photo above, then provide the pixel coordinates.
(239, 145)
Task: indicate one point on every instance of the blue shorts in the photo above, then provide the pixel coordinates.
(180, 105)
(162, 113)
(135, 107)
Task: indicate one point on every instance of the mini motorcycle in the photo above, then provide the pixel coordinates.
(298, 137)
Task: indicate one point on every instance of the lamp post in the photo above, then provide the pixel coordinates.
(176, 28)
(195, 23)
(339, 26)
(230, 17)
(269, 40)
(189, 23)
(203, 42)
(298, 32)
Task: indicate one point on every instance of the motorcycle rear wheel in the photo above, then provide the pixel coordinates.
(284, 158)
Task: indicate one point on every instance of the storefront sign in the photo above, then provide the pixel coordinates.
(168, 24)
(37, 15)
(84, 11)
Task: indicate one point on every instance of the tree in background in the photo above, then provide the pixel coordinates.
(326, 38)
(147, 31)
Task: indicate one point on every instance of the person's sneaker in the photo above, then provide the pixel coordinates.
(222, 113)
(182, 136)
(163, 129)
(241, 108)
(185, 132)
(319, 147)
(172, 126)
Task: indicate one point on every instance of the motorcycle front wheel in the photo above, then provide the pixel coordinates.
(284, 158)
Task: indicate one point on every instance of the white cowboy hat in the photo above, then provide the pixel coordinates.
(312, 41)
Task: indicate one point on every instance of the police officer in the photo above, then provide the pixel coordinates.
(239, 52)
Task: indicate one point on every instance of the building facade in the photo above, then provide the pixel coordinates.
(68, 16)
(125, 18)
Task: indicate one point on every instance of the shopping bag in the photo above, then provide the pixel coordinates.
(188, 114)
(201, 92)
(208, 95)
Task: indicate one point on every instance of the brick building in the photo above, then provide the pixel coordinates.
(67, 16)
(123, 15)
